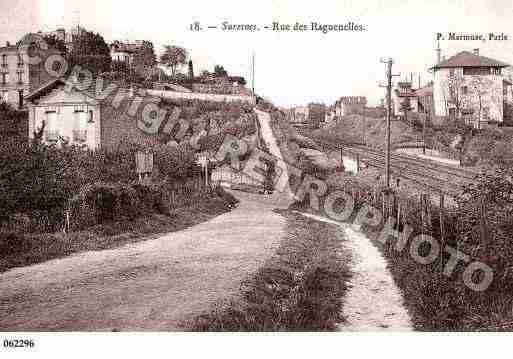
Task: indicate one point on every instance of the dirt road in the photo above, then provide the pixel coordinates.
(152, 285)
(373, 302)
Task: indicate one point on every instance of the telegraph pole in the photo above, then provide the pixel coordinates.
(389, 63)
(253, 73)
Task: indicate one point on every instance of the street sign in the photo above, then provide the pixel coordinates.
(144, 162)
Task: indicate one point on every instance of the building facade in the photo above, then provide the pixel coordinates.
(93, 118)
(20, 75)
(472, 87)
(350, 105)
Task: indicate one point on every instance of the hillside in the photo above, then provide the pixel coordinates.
(370, 131)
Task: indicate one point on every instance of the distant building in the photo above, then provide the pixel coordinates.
(299, 116)
(348, 105)
(18, 75)
(472, 87)
(404, 97)
(124, 52)
(68, 37)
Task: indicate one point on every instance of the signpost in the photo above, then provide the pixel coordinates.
(203, 161)
(144, 164)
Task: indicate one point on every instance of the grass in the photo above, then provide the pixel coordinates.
(437, 302)
(20, 250)
(301, 288)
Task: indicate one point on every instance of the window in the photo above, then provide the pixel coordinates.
(464, 90)
(486, 113)
(477, 71)
(20, 77)
(51, 129)
(4, 96)
(4, 60)
(20, 60)
(5, 78)
(80, 131)
(496, 71)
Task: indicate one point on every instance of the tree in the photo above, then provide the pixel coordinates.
(144, 58)
(90, 51)
(452, 90)
(174, 57)
(480, 87)
(53, 42)
(219, 71)
(191, 70)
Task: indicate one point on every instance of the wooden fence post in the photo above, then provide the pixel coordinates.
(422, 215)
(484, 226)
(442, 239)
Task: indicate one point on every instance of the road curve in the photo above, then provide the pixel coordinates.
(154, 285)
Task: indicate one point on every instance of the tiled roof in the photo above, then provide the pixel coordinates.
(90, 90)
(469, 59)
(424, 91)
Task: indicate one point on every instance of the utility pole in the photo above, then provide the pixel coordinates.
(253, 73)
(389, 118)
(389, 63)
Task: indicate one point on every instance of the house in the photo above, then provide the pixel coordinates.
(123, 52)
(300, 116)
(403, 98)
(470, 86)
(348, 105)
(18, 75)
(94, 115)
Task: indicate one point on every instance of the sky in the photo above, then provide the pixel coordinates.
(291, 68)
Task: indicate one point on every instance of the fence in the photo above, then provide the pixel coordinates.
(227, 177)
(202, 96)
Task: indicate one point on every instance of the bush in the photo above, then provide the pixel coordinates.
(102, 202)
(39, 180)
(438, 302)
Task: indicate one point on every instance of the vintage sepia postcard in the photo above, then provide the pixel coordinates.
(254, 166)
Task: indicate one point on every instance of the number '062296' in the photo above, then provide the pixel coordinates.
(19, 343)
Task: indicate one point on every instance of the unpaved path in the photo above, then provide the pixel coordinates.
(282, 186)
(153, 285)
(373, 301)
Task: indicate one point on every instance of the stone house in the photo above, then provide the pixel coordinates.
(470, 86)
(95, 115)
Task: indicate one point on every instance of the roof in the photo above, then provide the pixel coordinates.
(124, 47)
(469, 59)
(424, 91)
(353, 100)
(9, 48)
(90, 90)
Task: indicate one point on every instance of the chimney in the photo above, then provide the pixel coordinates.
(438, 54)
(191, 70)
(476, 52)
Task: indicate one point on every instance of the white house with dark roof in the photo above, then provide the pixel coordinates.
(470, 86)
(94, 114)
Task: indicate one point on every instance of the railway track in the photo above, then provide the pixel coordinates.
(427, 174)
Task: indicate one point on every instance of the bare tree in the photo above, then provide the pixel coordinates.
(455, 98)
(174, 57)
(480, 86)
